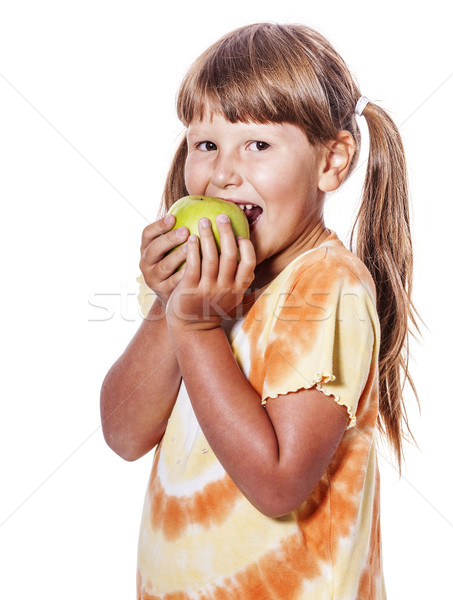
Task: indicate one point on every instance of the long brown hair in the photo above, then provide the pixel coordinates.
(270, 72)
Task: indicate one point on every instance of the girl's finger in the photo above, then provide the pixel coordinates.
(246, 267)
(162, 237)
(229, 249)
(174, 279)
(153, 230)
(210, 262)
(170, 264)
(164, 261)
(193, 262)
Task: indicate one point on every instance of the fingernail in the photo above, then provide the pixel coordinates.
(205, 222)
(181, 232)
(223, 218)
(193, 238)
(168, 220)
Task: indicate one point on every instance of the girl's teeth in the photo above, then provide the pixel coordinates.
(244, 206)
(249, 206)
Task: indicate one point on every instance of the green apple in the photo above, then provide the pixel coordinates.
(190, 209)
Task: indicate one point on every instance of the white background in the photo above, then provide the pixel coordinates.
(87, 131)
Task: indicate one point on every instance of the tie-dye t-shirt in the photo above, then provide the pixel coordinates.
(315, 325)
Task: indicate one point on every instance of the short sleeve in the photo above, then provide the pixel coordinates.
(145, 296)
(324, 334)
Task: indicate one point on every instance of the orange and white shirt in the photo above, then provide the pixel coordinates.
(314, 325)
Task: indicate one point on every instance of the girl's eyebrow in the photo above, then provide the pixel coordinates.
(195, 133)
(252, 130)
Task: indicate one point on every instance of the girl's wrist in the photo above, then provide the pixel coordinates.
(178, 325)
(157, 312)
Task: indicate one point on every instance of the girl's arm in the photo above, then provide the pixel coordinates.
(275, 455)
(139, 391)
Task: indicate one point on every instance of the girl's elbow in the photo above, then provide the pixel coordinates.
(275, 504)
(125, 449)
(277, 510)
(127, 443)
(128, 455)
(121, 449)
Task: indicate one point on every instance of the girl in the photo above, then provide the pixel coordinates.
(264, 381)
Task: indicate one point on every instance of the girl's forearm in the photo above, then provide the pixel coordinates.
(229, 411)
(139, 391)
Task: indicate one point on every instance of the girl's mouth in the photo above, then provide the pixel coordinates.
(252, 212)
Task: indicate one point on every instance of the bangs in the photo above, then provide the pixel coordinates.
(257, 74)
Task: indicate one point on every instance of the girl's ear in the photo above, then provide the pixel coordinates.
(336, 157)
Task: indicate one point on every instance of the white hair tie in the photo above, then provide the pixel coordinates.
(360, 106)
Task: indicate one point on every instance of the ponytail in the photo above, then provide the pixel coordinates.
(384, 245)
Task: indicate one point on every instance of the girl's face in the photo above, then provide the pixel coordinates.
(271, 166)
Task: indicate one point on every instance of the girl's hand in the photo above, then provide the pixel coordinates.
(212, 287)
(158, 269)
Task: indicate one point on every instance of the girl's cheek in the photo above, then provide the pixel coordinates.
(266, 177)
(193, 188)
(194, 175)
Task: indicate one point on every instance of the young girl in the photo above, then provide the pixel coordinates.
(264, 381)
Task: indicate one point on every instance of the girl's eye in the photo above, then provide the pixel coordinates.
(206, 146)
(258, 146)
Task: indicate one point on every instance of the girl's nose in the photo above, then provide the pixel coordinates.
(226, 172)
